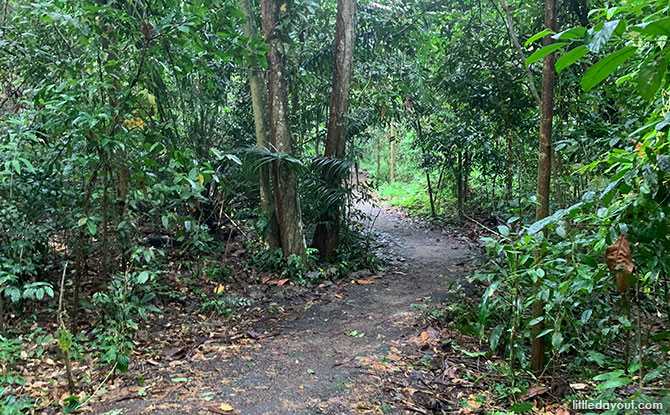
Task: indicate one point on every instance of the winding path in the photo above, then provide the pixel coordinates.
(320, 357)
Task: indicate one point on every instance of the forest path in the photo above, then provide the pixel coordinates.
(321, 355)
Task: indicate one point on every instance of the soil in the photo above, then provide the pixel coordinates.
(330, 349)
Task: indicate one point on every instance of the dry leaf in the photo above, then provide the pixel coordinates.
(218, 290)
(562, 412)
(364, 282)
(534, 391)
(472, 402)
(425, 336)
(620, 261)
(221, 409)
(282, 282)
(578, 386)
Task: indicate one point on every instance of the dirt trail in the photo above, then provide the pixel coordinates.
(320, 357)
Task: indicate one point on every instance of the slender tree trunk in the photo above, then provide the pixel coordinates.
(430, 195)
(459, 183)
(544, 173)
(285, 180)
(419, 132)
(510, 174)
(327, 233)
(379, 156)
(392, 138)
(259, 102)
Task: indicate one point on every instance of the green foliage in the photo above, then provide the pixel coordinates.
(226, 307)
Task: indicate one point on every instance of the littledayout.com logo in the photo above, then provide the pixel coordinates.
(589, 405)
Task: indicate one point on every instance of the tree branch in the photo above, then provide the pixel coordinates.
(510, 27)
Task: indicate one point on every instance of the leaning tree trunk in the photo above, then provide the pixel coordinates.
(285, 181)
(327, 233)
(544, 173)
(259, 102)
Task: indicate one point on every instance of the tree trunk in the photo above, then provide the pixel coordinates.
(459, 184)
(392, 153)
(327, 233)
(285, 181)
(544, 173)
(379, 156)
(510, 174)
(259, 102)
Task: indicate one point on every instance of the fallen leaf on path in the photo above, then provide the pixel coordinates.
(282, 282)
(364, 282)
(579, 386)
(425, 336)
(534, 391)
(176, 352)
(345, 360)
(221, 409)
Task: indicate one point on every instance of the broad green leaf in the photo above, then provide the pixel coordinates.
(92, 227)
(556, 339)
(574, 33)
(143, 277)
(586, 315)
(541, 53)
(601, 37)
(122, 363)
(614, 383)
(522, 407)
(659, 27)
(540, 224)
(650, 77)
(570, 57)
(537, 36)
(604, 67)
(164, 220)
(504, 230)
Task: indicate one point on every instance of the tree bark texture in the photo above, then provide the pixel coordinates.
(327, 233)
(544, 172)
(259, 102)
(285, 180)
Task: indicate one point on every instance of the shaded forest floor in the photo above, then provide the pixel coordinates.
(349, 347)
(366, 345)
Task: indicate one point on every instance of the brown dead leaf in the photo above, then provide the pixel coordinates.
(562, 412)
(472, 402)
(264, 280)
(343, 361)
(620, 261)
(534, 391)
(364, 282)
(425, 336)
(282, 282)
